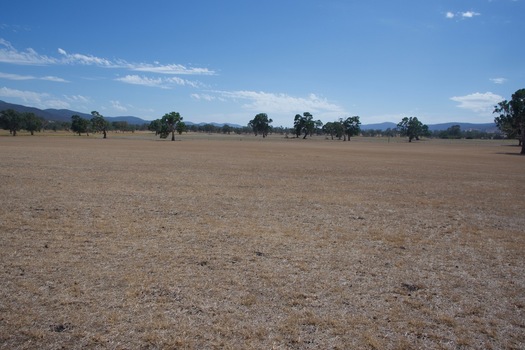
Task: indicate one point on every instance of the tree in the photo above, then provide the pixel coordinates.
(99, 123)
(11, 120)
(181, 127)
(454, 132)
(351, 126)
(304, 123)
(155, 125)
(412, 128)
(32, 123)
(169, 124)
(329, 129)
(511, 119)
(260, 124)
(79, 125)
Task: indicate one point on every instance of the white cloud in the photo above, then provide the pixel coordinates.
(481, 103)
(163, 83)
(175, 69)
(85, 59)
(498, 80)
(264, 102)
(9, 54)
(35, 99)
(118, 106)
(15, 76)
(28, 96)
(466, 14)
(469, 14)
(77, 98)
(141, 80)
(204, 97)
(30, 77)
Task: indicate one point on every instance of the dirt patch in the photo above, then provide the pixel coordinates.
(239, 242)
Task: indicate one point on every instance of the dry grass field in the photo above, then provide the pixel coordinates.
(235, 242)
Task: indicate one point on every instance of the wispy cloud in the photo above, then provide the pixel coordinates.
(163, 83)
(259, 101)
(30, 77)
(498, 80)
(36, 99)
(176, 69)
(118, 106)
(77, 58)
(466, 14)
(470, 14)
(9, 54)
(76, 99)
(481, 103)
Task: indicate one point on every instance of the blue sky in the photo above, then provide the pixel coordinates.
(226, 61)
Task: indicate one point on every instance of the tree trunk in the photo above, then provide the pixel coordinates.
(104, 132)
(173, 136)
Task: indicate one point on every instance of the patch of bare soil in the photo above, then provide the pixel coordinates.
(246, 243)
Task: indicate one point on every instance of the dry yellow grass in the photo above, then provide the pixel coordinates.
(242, 243)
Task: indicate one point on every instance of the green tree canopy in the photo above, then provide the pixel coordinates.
(260, 124)
(32, 123)
(304, 124)
(169, 124)
(351, 126)
(412, 128)
(511, 119)
(79, 125)
(99, 123)
(11, 120)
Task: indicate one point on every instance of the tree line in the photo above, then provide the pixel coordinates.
(343, 128)
(510, 121)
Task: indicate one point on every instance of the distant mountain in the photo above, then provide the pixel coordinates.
(64, 115)
(24, 109)
(487, 127)
(218, 125)
(379, 126)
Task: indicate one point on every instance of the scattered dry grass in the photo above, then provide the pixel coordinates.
(243, 243)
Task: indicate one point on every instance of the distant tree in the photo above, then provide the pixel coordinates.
(226, 129)
(351, 126)
(390, 132)
(79, 125)
(32, 123)
(453, 132)
(155, 125)
(99, 123)
(122, 126)
(318, 127)
(304, 124)
(169, 124)
(329, 129)
(260, 124)
(11, 120)
(511, 119)
(181, 127)
(412, 128)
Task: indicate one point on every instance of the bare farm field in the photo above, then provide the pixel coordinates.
(245, 243)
